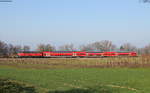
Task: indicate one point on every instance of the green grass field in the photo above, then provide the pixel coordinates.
(113, 80)
(78, 80)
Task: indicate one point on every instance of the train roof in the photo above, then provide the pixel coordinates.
(30, 52)
(75, 51)
(62, 51)
(94, 52)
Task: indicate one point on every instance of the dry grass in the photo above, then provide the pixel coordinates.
(142, 61)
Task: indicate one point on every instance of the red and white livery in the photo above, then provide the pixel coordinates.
(75, 54)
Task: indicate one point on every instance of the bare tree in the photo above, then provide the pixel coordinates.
(104, 45)
(13, 50)
(47, 47)
(67, 47)
(128, 47)
(40, 47)
(146, 49)
(87, 47)
(3, 49)
(10, 50)
(17, 49)
(26, 48)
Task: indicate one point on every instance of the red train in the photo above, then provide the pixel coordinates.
(75, 54)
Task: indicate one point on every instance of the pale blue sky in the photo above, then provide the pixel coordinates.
(30, 22)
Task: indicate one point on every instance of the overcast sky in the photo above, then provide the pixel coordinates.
(31, 22)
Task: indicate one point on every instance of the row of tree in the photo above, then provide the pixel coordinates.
(104, 45)
(11, 50)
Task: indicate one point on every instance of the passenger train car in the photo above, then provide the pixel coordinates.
(74, 54)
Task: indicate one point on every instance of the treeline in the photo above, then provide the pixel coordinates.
(9, 50)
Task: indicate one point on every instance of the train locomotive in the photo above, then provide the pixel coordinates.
(75, 54)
